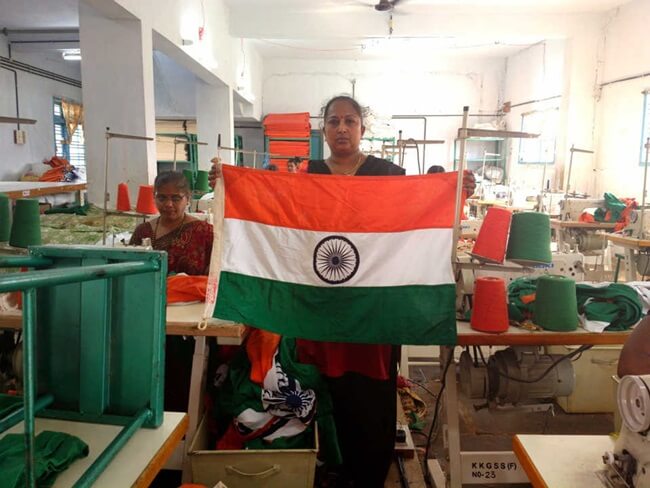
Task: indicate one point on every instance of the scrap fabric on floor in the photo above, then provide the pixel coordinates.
(55, 451)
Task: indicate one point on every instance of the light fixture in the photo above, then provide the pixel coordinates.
(72, 54)
(187, 42)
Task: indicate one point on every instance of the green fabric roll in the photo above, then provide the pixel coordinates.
(55, 451)
(189, 176)
(69, 209)
(202, 182)
(5, 218)
(26, 226)
(616, 303)
(556, 306)
(530, 238)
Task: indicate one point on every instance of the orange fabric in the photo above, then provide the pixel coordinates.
(287, 125)
(586, 217)
(260, 347)
(185, 288)
(59, 167)
(289, 148)
(624, 219)
(526, 299)
(340, 203)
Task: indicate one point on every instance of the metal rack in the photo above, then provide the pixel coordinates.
(81, 302)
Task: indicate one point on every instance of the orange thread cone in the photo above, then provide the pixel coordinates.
(492, 240)
(145, 204)
(490, 311)
(123, 201)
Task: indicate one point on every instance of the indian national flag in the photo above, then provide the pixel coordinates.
(335, 258)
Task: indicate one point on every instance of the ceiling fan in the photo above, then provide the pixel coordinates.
(386, 5)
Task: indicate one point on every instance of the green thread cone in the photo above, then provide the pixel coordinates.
(556, 305)
(26, 228)
(530, 239)
(5, 218)
(202, 181)
(189, 176)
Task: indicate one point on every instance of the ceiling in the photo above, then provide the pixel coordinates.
(39, 14)
(352, 29)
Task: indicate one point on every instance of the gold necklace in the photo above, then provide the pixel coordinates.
(176, 231)
(349, 172)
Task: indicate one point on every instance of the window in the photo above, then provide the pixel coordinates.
(75, 151)
(645, 125)
(540, 150)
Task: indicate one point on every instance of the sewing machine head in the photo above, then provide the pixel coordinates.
(629, 464)
(572, 208)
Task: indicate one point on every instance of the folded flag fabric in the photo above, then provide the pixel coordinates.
(332, 258)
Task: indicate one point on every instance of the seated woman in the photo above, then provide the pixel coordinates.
(188, 242)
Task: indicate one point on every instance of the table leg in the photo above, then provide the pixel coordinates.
(451, 413)
(197, 385)
(630, 265)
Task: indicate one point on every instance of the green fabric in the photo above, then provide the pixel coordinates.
(517, 309)
(9, 403)
(69, 209)
(239, 393)
(416, 314)
(613, 205)
(615, 303)
(55, 451)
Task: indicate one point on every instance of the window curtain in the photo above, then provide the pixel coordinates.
(73, 114)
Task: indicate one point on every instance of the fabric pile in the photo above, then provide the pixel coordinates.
(267, 400)
(55, 451)
(183, 288)
(61, 170)
(616, 210)
(606, 306)
(287, 126)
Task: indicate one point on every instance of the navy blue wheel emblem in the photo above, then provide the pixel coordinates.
(336, 260)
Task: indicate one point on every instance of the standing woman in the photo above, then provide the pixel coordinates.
(188, 243)
(361, 377)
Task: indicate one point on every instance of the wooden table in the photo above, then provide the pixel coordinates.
(136, 464)
(630, 244)
(513, 337)
(562, 461)
(29, 189)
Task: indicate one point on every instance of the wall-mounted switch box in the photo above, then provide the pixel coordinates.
(19, 137)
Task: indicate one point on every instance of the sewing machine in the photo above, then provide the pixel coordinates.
(629, 464)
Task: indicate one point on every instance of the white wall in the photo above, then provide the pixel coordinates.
(626, 53)
(443, 86)
(35, 96)
(534, 73)
(174, 88)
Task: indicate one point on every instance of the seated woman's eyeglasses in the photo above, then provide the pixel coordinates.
(164, 198)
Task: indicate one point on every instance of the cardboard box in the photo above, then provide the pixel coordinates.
(278, 468)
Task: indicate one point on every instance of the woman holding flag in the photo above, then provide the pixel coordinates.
(361, 377)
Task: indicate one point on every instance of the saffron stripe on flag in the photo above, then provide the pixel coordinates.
(418, 257)
(415, 315)
(330, 203)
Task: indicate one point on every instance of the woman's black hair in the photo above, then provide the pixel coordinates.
(294, 160)
(435, 169)
(175, 178)
(362, 112)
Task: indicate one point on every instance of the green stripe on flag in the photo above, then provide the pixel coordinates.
(415, 314)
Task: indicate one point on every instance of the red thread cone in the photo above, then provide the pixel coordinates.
(123, 200)
(492, 240)
(146, 205)
(490, 311)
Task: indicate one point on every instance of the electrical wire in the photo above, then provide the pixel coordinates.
(436, 411)
(423, 387)
(570, 355)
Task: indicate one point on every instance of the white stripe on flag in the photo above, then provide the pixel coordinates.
(418, 257)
